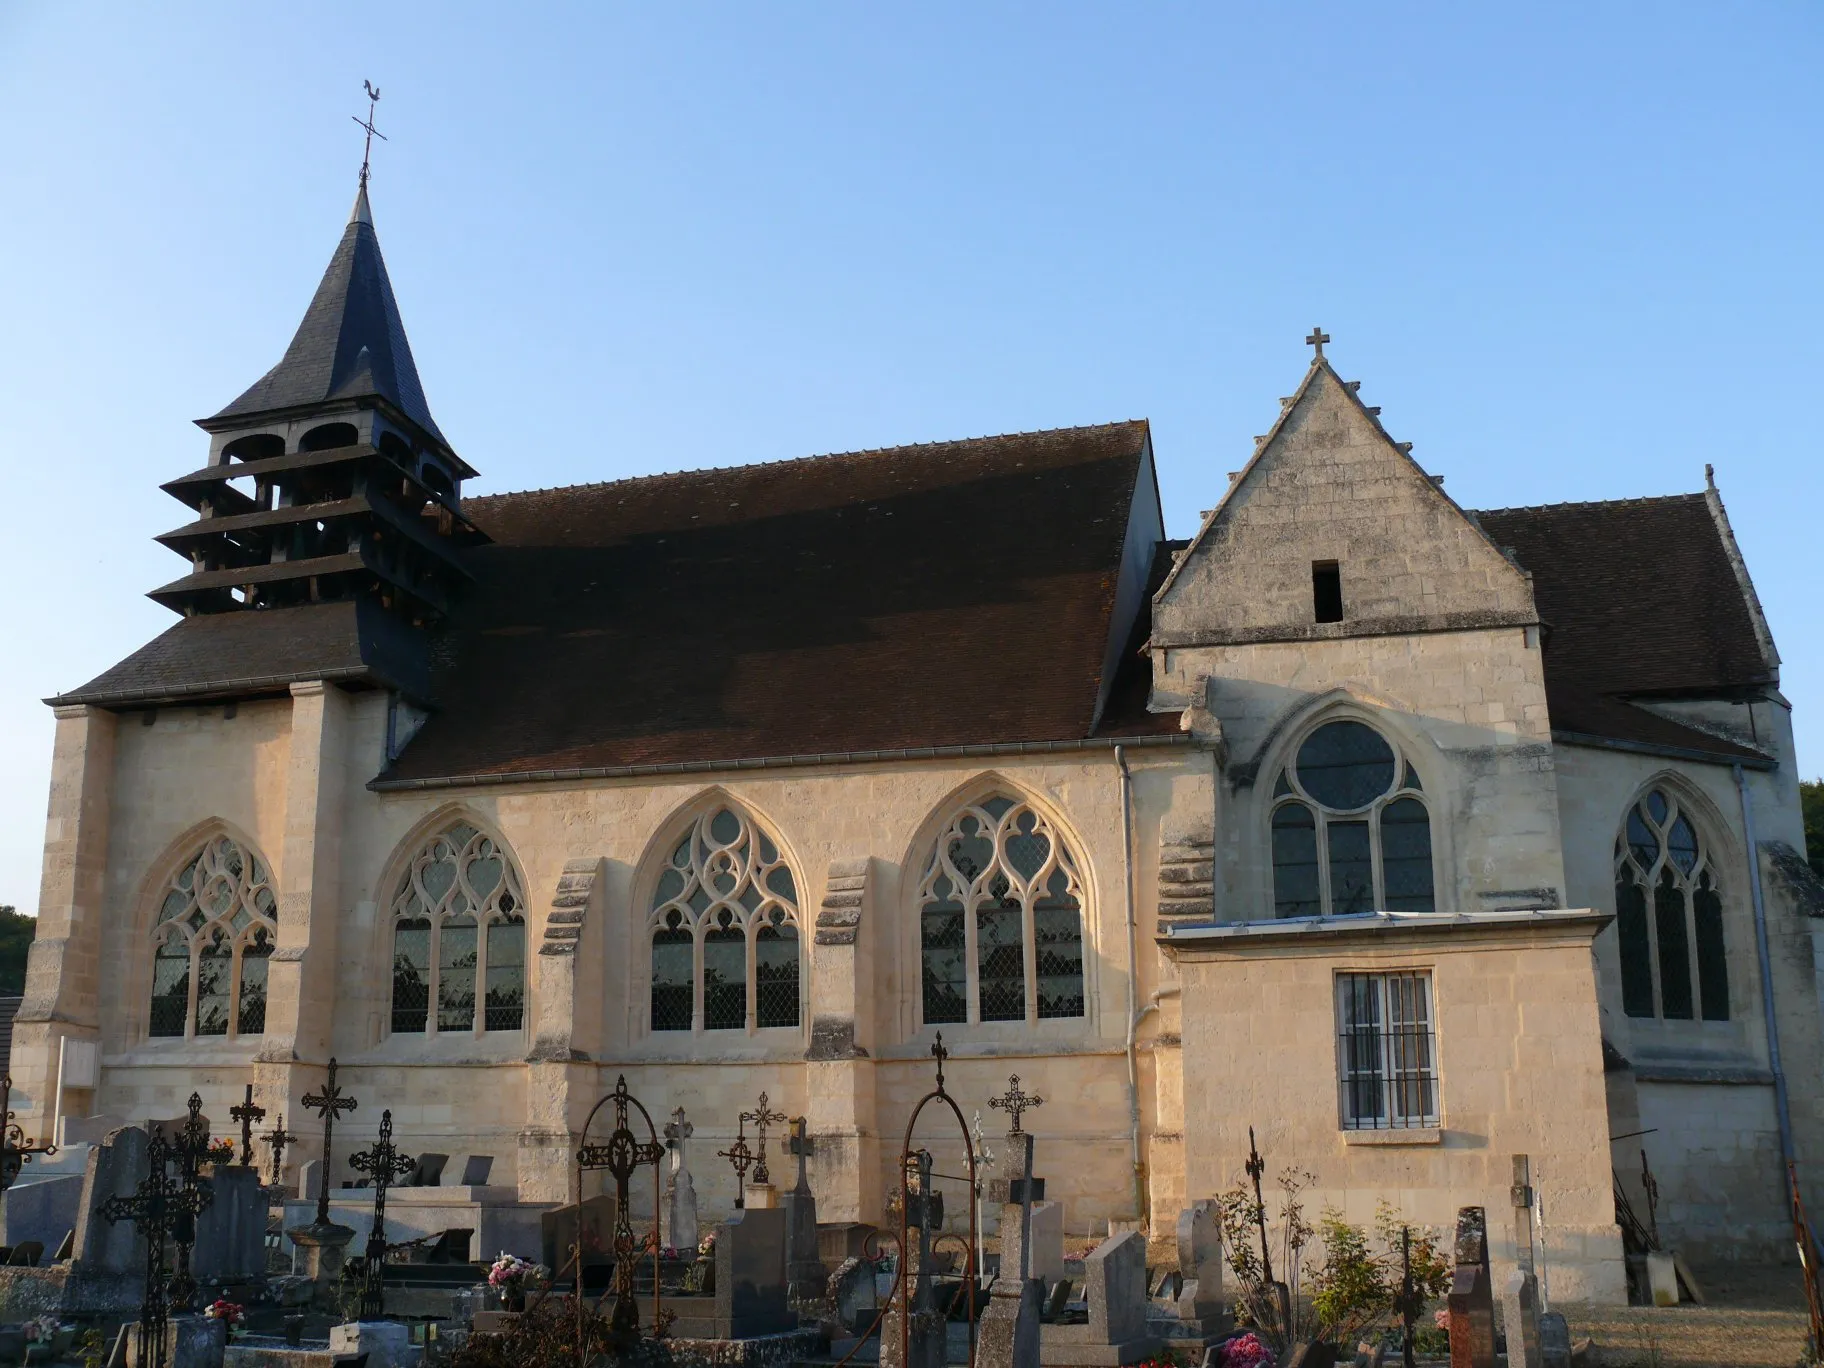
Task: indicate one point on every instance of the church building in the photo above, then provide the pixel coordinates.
(1412, 837)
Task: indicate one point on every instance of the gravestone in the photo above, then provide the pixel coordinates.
(190, 1342)
(803, 1266)
(851, 1292)
(750, 1276)
(231, 1230)
(558, 1231)
(1472, 1301)
(681, 1229)
(469, 1170)
(1197, 1310)
(115, 1169)
(1115, 1295)
(44, 1211)
(89, 1130)
(310, 1180)
(1520, 1296)
(1554, 1341)
(385, 1344)
(1010, 1325)
(428, 1171)
(912, 1335)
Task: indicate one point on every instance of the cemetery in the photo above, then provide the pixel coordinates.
(165, 1245)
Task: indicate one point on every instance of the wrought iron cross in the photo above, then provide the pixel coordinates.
(740, 1159)
(16, 1147)
(1256, 1167)
(941, 1054)
(329, 1104)
(1015, 1102)
(373, 99)
(278, 1137)
(190, 1148)
(762, 1117)
(1317, 339)
(621, 1157)
(157, 1206)
(247, 1113)
(801, 1147)
(382, 1163)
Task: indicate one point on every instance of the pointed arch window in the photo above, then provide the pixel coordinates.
(1350, 829)
(724, 927)
(1001, 919)
(217, 925)
(459, 938)
(1668, 916)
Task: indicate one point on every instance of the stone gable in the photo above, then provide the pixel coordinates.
(1329, 485)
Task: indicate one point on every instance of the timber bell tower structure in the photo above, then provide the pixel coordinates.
(328, 481)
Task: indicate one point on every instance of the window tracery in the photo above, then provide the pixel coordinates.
(1668, 916)
(217, 926)
(725, 920)
(1350, 829)
(1000, 919)
(459, 938)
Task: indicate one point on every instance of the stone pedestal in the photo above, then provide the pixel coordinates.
(1009, 1332)
(762, 1197)
(1520, 1314)
(323, 1247)
(387, 1344)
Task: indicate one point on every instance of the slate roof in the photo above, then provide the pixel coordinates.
(1641, 599)
(351, 344)
(948, 595)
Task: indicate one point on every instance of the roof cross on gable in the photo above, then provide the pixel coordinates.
(1317, 339)
(373, 99)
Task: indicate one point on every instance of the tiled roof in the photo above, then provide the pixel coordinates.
(954, 594)
(1640, 598)
(351, 344)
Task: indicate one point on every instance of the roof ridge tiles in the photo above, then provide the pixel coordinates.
(814, 456)
(1592, 503)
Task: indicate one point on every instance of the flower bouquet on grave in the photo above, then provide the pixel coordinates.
(1245, 1351)
(231, 1314)
(219, 1151)
(511, 1276)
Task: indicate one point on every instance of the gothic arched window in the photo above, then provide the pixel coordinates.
(1350, 829)
(1668, 916)
(459, 938)
(217, 926)
(1000, 919)
(725, 917)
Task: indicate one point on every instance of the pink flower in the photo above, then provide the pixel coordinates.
(1441, 1318)
(1246, 1352)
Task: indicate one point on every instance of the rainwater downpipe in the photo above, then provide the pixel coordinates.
(1783, 1108)
(1135, 1012)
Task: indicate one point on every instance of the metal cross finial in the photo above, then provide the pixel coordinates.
(762, 1117)
(1317, 339)
(247, 1113)
(329, 1104)
(16, 1147)
(1014, 1102)
(382, 1163)
(941, 1054)
(373, 99)
(278, 1137)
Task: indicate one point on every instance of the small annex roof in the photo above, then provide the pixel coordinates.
(952, 595)
(351, 344)
(1642, 600)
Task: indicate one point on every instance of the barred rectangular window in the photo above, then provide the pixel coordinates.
(1386, 1053)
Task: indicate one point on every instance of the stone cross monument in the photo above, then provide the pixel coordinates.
(1010, 1325)
(681, 1231)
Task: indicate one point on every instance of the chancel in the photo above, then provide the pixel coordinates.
(1407, 833)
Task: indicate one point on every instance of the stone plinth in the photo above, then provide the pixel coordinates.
(190, 1342)
(387, 1344)
(501, 1222)
(323, 1249)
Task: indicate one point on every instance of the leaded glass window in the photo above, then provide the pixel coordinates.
(1668, 916)
(459, 938)
(1000, 919)
(216, 926)
(726, 953)
(1349, 828)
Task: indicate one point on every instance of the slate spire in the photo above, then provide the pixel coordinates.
(351, 344)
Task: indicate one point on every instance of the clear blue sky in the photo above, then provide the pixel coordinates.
(1571, 250)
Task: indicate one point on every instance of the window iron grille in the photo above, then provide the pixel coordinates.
(1386, 1051)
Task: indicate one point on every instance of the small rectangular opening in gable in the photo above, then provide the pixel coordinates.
(1326, 591)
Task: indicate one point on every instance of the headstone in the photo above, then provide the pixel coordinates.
(1197, 1310)
(115, 1168)
(89, 1130)
(911, 1335)
(190, 1342)
(680, 1229)
(750, 1276)
(803, 1266)
(310, 1180)
(387, 1344)
(851, 1292)
(1662, 1278)
(469, 1170)
(1520, 1296)
(231, 1230)
(1472, 1302)
(1010, 1326)
(1114, 1277)
(1058, 1300)
(428, 1171)
(1311, 1354)
(558, 1229)
(41, 1211)
(1554, 1341)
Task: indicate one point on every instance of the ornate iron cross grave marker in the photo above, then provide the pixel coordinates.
(190, 1149)
(278, 1137)
(16, 1147)
(1015, 1103)
(247, 1113)
(740, 1159)
(329, 1104)
(622, 1157)
(762, 1117)
(155, 1209)
(382, 1163)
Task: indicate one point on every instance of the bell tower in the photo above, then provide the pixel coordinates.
(328, 480)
